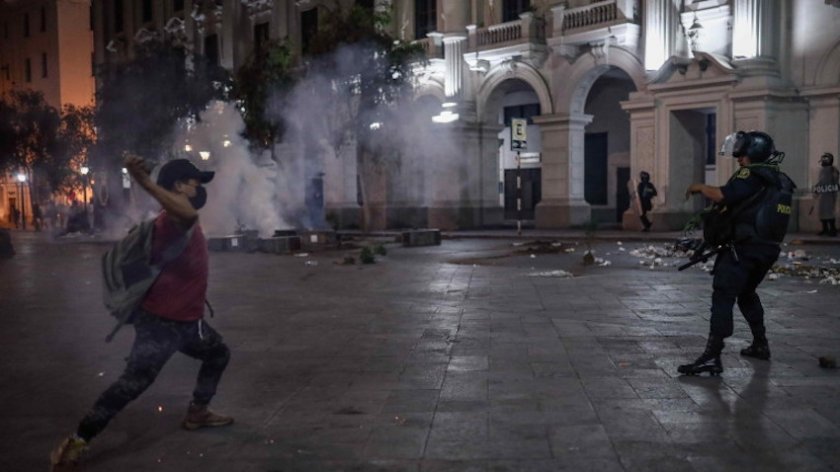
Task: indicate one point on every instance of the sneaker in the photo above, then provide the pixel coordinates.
(200, 417)
(68, 453)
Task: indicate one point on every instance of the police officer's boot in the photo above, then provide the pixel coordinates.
(709, 361)
(760, 348)
(832, 229)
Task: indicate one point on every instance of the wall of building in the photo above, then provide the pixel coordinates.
(75, 62)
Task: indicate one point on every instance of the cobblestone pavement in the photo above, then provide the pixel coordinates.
(462, 357)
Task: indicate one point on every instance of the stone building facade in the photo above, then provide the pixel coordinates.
(608, 88)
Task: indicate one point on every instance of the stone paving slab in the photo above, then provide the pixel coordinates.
(423, 362)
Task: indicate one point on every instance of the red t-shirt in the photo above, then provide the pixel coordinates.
(180, 289)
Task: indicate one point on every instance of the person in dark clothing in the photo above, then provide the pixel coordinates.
(170, 318)
(37, 217)
(16, 217)
(646, 191)
(747, 258)
(826, 192)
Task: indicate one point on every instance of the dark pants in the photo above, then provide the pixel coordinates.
(156, 340)
(736, 281)
(646, 207)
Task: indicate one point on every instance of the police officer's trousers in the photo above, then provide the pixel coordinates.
(736, 281)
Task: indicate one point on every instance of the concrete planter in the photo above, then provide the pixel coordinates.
(421, 237)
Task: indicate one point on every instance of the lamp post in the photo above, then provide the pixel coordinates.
(21, 177)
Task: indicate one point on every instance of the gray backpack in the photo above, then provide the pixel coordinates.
(128, 273)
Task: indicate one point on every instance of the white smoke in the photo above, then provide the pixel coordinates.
(253, 191)
(248, 191)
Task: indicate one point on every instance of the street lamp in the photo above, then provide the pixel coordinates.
(21, 177)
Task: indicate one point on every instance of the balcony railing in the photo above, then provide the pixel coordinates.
(526, 28)
(590, 16)
(501, 33)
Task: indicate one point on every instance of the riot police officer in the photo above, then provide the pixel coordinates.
(826, 192)
(747, 258)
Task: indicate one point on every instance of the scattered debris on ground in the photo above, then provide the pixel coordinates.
(654, 256)
(793, 263)
(552, 273)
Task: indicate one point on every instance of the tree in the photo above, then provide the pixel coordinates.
(76, 137)
(377, 78)
(32, 129)
(263, 83)
(49, 147)
(139, 102)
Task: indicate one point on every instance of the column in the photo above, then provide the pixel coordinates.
(454, 54)
(562, 204)
(661, 23)
(753, 29)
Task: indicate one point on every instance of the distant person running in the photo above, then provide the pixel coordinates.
(171, 315)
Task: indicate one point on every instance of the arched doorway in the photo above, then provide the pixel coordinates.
(501, 165)
(607, 180)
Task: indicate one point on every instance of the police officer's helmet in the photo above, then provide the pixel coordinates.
(757, 145)
(644, 176)
(827, 159)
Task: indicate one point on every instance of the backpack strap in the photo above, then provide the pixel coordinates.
(169, 254)
(175, 249)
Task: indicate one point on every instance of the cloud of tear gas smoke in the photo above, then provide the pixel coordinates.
(420, 158)
(248, 191)
(413, 151)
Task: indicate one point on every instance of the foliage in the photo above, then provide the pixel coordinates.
(260, 84)
(76, 137)
(366, 256)
(140, 101)
(380, 250)
(382, 68)
(29, 130)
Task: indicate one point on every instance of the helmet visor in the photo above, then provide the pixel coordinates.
(732, 144)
